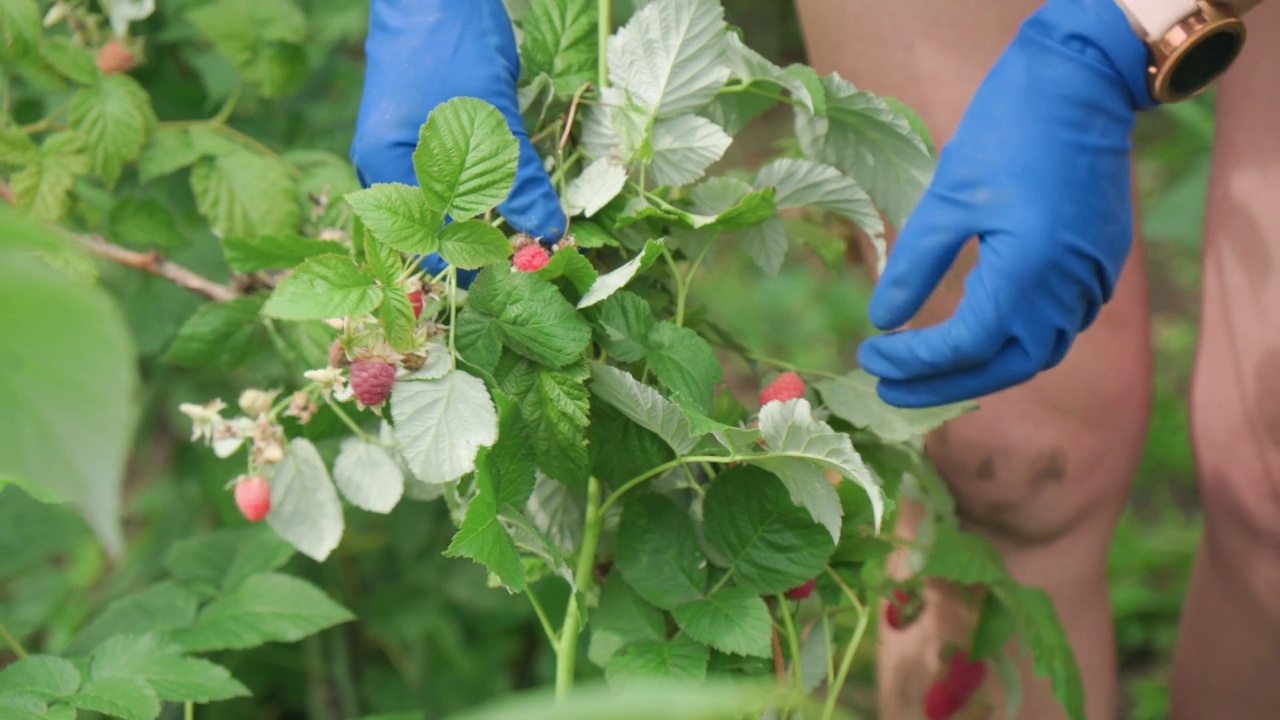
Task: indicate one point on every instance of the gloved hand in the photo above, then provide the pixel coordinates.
(422, 53)
(1038, 170)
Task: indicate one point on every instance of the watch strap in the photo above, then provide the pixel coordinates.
(1157, 17)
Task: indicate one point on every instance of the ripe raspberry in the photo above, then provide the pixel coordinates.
(787, 386)
(371, 381)
(530, 258)
(415, 300)
(338, 354)
(965, 676)
(940, 703)
(904, 607)
(115, 57)
(800, 592)
(253, 497)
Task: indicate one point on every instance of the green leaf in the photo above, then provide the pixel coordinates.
(804, 183)
(24, 707)
(684, 362)
(473, 244)
(17, 148)
(555, 406)
(771, 545)
(754, 69)
(166, 151)
(143, 222)
(43, 676)
(399, 216)
(612, 282)
(569, 263)
(726, 203)
(995, 626)
(441, 424)
(325, 286)
(963, 558)
(161, 607)
(19, 28)
(240, 193)
(808, 77)
(720, 699)
(71, 61)
(658, 552)
(121, 697)
(269, 607)
(672, 55)
(560, 40)
(619, 448)
(684, 148)
(214, 562)
(368, 476)
(478, 341)
(853, 398)
(396, 313)
(1045, 639)
(162, 665)
(113, 117)
(466, 158)
(766, 244)
(735, 620)
(916, 122)
(44, 186)
(678, 659)
(251, 254)
(867, 140)
(305, 509)
(622, 326)
(596, 187)
(263, 38)
(644, 406)
(65, 425)
(588, 234)
(623, 618)
(221, 335)
(531, 316)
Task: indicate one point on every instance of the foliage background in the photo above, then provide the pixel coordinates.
(432, 635)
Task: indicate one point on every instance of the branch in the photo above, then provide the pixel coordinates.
(154, 263)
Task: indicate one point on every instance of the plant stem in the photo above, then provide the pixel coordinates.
(793, 641)
(567, 652)
(155, 264)
(542, 617)
(833, 691)
(227, 108)
(453, 315)
(12, 642)
(189, 711)
(346, 420)
(649, 475)
(604, 26)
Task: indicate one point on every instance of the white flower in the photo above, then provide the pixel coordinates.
(329, 379)
(205, 420)
(230, 435)
(257, 402)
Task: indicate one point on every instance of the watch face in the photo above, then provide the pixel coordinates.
(1202, 63)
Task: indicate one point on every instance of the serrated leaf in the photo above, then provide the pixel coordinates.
(658, 553)
(644, 406)
(569, 263)
(558, 512)
(44, 676)
(214, 562)
(678, 659)
(325, 286)
(735, 620)
(684, 147)
(162, 665)
(269, 607)
(623, 618)
(555, 406)
(994, 628)
(263, 38)
(871, 143)
(473, 244)
(750, 67)
(441, 424)
(765, 243)
(684, 362)
(1052, 655)
(478, 341)
(620, 449)
(70, 60)
(113, 117)
(612, 282)
(598, 184)
(771, 544)
(397, 318)
(221, 335)
(726, 203)
(804, 183)
(161, 607)
(399, 216)
(368, 476)
(17, 148)
(305, 510)
(560, 41)
(245, 194)
(121, 697)
(530, 316)
(622, 326)
(24, 707)
(853, 398)
(466, 158)
(166, 151)
(589, 235)
(19, 28)
(533, 541)
(44, 186)
(964, 558)
(671, 56)
(718, 699)
(267, 252)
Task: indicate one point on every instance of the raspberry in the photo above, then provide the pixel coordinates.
(253, 497)
(338, 355)
(114, 57)
(965, 676)
(371, 381)
(940, 703)
(904, 608)
(415, 300)
(800, 592)
(787, 386)
(530, 258)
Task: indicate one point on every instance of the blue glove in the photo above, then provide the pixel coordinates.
(422, 53)
(1038, 170)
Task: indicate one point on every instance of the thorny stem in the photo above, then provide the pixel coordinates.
(567, 648)
(12, 642)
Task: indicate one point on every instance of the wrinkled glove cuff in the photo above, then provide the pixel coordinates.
(1099, 30)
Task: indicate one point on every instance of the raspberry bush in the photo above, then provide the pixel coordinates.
(564, 415)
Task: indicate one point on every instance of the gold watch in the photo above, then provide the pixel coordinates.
(1190, 43)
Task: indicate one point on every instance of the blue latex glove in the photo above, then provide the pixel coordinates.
(422, 53)
(1038, 170)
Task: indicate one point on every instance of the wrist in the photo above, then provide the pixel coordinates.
(1102, 32)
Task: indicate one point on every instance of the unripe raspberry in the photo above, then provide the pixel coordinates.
(253, 497)
(800, 592)
(940, 703)
(530, 258)
(415, 300)
(115, 57)
(787, 386)
(904, 607)
(371, 381)
(338, 355)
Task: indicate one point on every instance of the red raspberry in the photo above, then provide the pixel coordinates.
(904, 608)
(965, 676)
(787, 386)
(940, 703)
(530, 258)
(253, 497)
(800, 592)
(415, 300)
(371, 381)
(115, 57)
